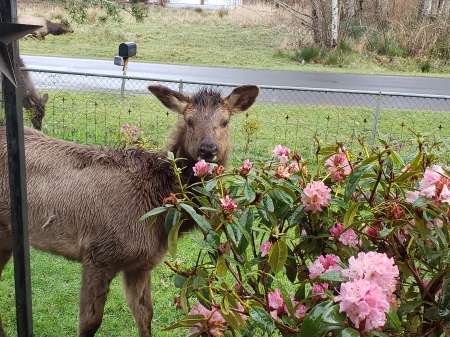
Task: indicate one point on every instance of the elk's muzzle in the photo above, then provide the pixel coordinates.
(208, 150)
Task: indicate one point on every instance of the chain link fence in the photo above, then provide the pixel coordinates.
(91, 108)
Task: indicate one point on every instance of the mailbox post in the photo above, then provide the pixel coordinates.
(126, 50)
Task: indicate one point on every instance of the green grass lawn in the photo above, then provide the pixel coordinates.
(55, 294)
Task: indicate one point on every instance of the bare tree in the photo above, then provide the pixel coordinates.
(334, 23)
(384, 9)
(425, 7)
(349, 8)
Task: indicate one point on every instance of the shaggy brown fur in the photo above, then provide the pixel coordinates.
(48, 27)
(31, 101)
(84, 202)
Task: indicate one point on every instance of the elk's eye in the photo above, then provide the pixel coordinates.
(190, 123)
(225, 123)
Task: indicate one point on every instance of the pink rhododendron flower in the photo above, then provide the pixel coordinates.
(363, 302)
(317, 195)
(277, 305)
(124, 128)
(319, 289)
(347, 238)
(411, 196)
(228, 204)
(247, 165)
(323, 264)
(214, 325)
(300, 309)
(202, 168)
(435, 185)
(265, 248)
(338, 167)
(374, 267)
(282, 153)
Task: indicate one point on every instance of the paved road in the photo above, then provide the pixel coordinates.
(398, 84)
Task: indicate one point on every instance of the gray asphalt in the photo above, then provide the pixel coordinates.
(394, 84)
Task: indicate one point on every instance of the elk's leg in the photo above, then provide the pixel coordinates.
(94, 291)
(137, 290)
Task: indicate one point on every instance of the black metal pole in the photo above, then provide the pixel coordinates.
(17, 184)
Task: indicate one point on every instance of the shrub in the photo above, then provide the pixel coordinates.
(354, 245)
(306, 54)
(425, 67)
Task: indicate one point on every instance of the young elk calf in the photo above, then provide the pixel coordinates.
(84, 202)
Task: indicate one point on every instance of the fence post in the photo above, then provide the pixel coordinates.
(375, 120)
(17, 181)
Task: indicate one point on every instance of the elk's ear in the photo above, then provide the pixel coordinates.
(242, 98)
(44, 99)
(171, 99)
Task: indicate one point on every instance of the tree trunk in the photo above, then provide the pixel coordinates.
(426, 7)
(315, 22)
(384, 9)
(349, 8)
(334, 23)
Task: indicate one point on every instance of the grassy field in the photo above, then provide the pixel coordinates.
(255, 35)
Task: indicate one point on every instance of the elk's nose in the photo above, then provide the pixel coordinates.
(207, 150)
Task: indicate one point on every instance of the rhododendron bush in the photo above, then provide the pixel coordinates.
(347, 245)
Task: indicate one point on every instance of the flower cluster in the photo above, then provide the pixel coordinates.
(214, 323)
(278, 307)
(202, 169)
(131, 135)
(365, 297)
(265, 248)
(317, 195)
(434, 185)
(347, 238)
(323, 264)
(338, 166)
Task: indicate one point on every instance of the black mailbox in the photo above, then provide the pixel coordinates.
(127, 49)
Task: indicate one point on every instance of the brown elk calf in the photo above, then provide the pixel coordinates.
(31, 101)
(48, 27)
(84, 202)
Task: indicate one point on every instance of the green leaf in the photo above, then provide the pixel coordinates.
(409, 307)
(234, 234)
(349, 332)
(262, 319)
(385, 232)
(444, 300)
(213, 239)
(332, 276)
(249, 192)
(172, 218)
(179, 280)
(314, 319)
(221, 266)
(277, 256)
(186, 321)
(350, 215)
(154, 211)
(297, 215)
(173, 239)
(392, 315)
(200, 220)
(353, 181)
